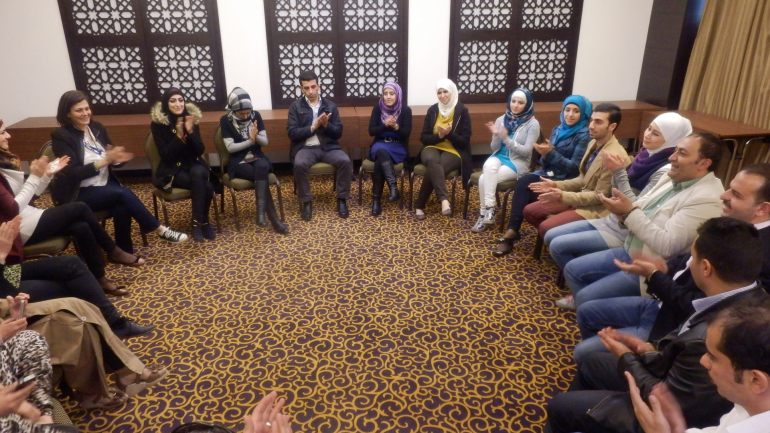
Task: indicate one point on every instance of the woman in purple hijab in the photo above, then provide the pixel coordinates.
(390, 126)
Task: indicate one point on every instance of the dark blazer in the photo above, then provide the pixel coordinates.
(300, 120)
(229, 131)
(68, 141)
(175, 153)
(677, 363)
(677, 296)
(460, 136)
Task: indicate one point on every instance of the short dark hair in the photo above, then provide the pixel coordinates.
(745, 336)
(307, 76)
(731, 247)
(67, 100)
(710, 148)
(613, 111)
(762, 170)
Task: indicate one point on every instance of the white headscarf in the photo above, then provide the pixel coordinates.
(447, 84)
(674, 127)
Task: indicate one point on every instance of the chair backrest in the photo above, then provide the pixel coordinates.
(47, 150)
(151, 151)
(224, 155)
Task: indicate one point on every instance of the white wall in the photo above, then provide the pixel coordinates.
(613, 34)
(35, 68)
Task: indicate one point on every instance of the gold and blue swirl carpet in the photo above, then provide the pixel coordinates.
(364, 325)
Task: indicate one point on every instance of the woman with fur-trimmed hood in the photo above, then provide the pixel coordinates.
(175, 131)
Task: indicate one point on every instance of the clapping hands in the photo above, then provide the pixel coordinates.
(267, 417)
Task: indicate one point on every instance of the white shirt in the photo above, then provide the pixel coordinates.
(24, 192)
(738, 421)
(313, 139)
(94, 151)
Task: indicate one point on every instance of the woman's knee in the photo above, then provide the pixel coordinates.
(199, 171)
(382, 155)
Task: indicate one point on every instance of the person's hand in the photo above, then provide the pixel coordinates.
(267, 417)
(611, 343)
(543, 148)
(636, 344)
(253, 131)
(552, 195)
(180, 127)
(8, 232)
(544, 185)
(663, 415)
(11, 398)
(38, 166)
(28, 411)
(189, 123)
(15, 304)
(392, 122)
(51, 169)
(12, 326)
(323, 119)
(640, 267)
(618, 204)
(443, 132)
(117, 155)
(492, 128)
(613, 162)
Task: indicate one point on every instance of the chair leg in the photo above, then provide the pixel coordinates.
(221, 202)
(538, 251)
(155, 205)
(401, 191)
(560, 283)
(165, 212)
(280, 201)
(452, 201)
(144, 240)
(360, 186)
(411, 191)
(504, 210)
(235, 210)
(465, 203)
(216, 215)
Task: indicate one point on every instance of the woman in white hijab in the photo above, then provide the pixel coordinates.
(445, 136)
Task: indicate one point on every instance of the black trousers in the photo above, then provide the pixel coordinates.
(259, 169)
(196, 179)
(64, 277)
(521, 198)
(77, 220)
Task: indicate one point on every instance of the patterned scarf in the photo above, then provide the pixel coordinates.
(513, 121)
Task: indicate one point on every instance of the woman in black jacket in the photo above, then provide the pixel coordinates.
(244, 135)
(446, 136)
(390, 124)
(175, 130)
(88, 177)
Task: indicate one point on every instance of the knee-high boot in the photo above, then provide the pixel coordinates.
(378, 183)
(260, 189)
(278, 225)
(390, 177)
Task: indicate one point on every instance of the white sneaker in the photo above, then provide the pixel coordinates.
(173, 236)
(446, 208)
(489, 216)
(479, 226)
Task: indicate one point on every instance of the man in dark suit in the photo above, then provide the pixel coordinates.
(315, 128)
(724, 266)
(671, 284)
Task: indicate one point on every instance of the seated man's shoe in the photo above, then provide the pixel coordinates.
(342, 208)
(376, 208)
(126, 328)
(567, 302)
(306, 212)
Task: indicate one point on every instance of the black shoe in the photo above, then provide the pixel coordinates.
(505, 246)
(376, 207)
(209, 232)
(394, 195)
(197, 232)
(306, 212)
(342, 208)
(126, 328)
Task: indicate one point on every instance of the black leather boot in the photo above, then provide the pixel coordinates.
(378, 183)
(390, 177)
(260, 189)
(278, 225)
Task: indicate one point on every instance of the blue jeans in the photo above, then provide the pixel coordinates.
(595, 276)
(123, 205)
(631, 315)
(573, 240)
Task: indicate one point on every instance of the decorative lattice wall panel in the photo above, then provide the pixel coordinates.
(125, 53)
(497, 45)
(354, 46)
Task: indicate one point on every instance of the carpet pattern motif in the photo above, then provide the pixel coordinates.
(365, 325)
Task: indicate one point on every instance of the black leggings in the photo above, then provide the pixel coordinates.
(196, 179)
(259, 169)
(77, 220)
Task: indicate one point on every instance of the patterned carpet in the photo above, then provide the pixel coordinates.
(364, 325)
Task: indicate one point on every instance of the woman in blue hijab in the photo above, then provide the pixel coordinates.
(559, 160)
